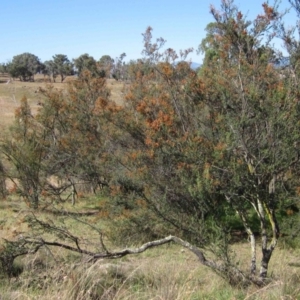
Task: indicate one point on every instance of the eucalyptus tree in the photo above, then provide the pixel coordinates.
(119, 67)
(62, 66)
(24, 66)
(106, 64)
(86, 62)
(3, 68)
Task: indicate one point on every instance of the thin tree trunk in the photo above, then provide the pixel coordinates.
(267, 251)
(252, 242)
(74, 192)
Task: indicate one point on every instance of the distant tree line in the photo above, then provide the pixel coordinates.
(26, 65)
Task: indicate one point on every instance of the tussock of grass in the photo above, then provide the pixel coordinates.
(168, 273)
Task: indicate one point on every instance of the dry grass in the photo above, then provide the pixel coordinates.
(164, 273)
(117, 89)
(11, 92)
(161, 274)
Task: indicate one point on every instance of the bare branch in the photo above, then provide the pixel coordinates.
(129, 251)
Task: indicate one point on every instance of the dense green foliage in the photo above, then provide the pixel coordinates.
(24, 66)
(62, 66)
(106, 64)
(86, 62)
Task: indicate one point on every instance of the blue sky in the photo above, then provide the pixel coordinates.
(101, 27)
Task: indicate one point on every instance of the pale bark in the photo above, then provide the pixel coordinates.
(267, 251)
(252, 243)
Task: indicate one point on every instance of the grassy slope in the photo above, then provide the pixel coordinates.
(168, 272)
(11, 93)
